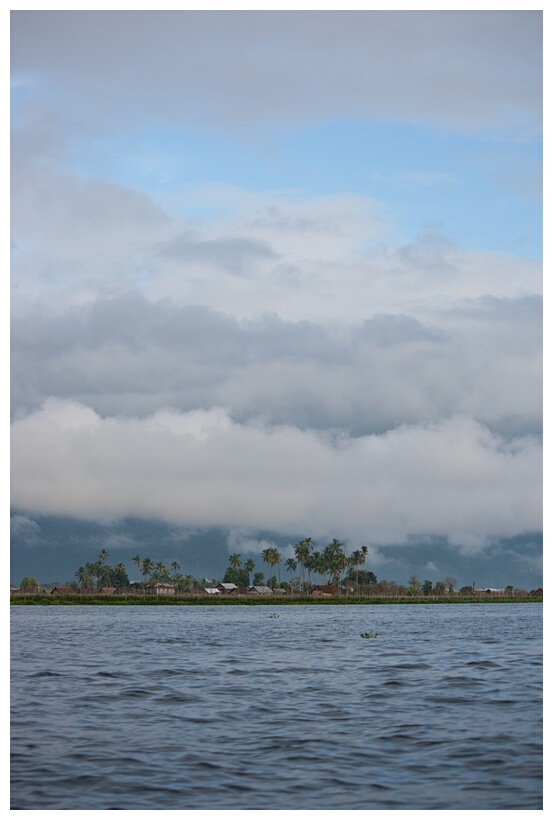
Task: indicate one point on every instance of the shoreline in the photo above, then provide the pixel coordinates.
(228, 600)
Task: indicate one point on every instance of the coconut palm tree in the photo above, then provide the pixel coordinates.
(302, 551)
(104, 571)
(160, 571)
(138, 561)
(120, 577)
(175, 566)
(291, 565)
(249, 566)
(271, 556)
(234, 561)
(316, 563)
(147, 567)
(334, 560)
(84, 578)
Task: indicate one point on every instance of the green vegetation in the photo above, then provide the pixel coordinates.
(29, 585)
(326, 576)
(255, 600)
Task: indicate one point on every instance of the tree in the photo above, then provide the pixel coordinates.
(450, 582)
(119, 575)
(315, 564)
(258, 579)
(301, 552)
(138, 561)
(29, 584)
(439, 588)
(240, 577)
(364, 578)
(334, 560)
(427, 588)
(84, 578)
(271, 556)
(249, 567)
(184, 582)
(160, 572)
(235, 561)
(291, 565)
(147, 567)
(103, 572)
(175, 567)
(414, 585)
(356, 560)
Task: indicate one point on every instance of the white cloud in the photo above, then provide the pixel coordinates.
(451, 478)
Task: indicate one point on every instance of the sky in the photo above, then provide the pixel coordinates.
(277, 275)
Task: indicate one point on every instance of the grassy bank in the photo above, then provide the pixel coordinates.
(231, 600)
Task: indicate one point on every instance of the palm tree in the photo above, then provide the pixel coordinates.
(234, 561)
(249, 566)
(83, 577)
(120, 577)
(301, 551)
(175, 566)
(161, 571)
(271, 556)
(138, 561)
(147, 567)
(334, 560)
(316, 563)
(291, 565)
(354, 562)
(103, 561)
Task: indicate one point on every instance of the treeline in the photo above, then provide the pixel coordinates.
(310, 566)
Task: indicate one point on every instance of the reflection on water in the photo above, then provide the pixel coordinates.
(277, 708)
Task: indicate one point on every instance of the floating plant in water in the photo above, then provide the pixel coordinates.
(369, 634)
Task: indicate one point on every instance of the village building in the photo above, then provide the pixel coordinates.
(160, 589)
(226, 588)
(322, 590)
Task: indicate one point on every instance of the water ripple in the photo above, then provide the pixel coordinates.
(295, 712)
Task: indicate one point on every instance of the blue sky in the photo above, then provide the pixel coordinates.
(270, 246)
(481, 189)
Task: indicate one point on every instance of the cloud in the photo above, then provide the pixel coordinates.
(129, 356)
(24, 529)
(265, 67)
(451, 478)
(314, 345)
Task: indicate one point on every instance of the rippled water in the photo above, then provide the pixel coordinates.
(282, 707)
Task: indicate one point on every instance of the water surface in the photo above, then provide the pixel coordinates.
(277, 707)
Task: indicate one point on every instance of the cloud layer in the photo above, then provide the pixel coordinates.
(451, 478)
(243, 69)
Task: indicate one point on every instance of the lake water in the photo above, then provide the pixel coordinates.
(277, 707)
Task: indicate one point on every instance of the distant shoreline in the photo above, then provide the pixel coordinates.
(230, 600)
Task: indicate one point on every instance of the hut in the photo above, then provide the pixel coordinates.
(159, 589)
